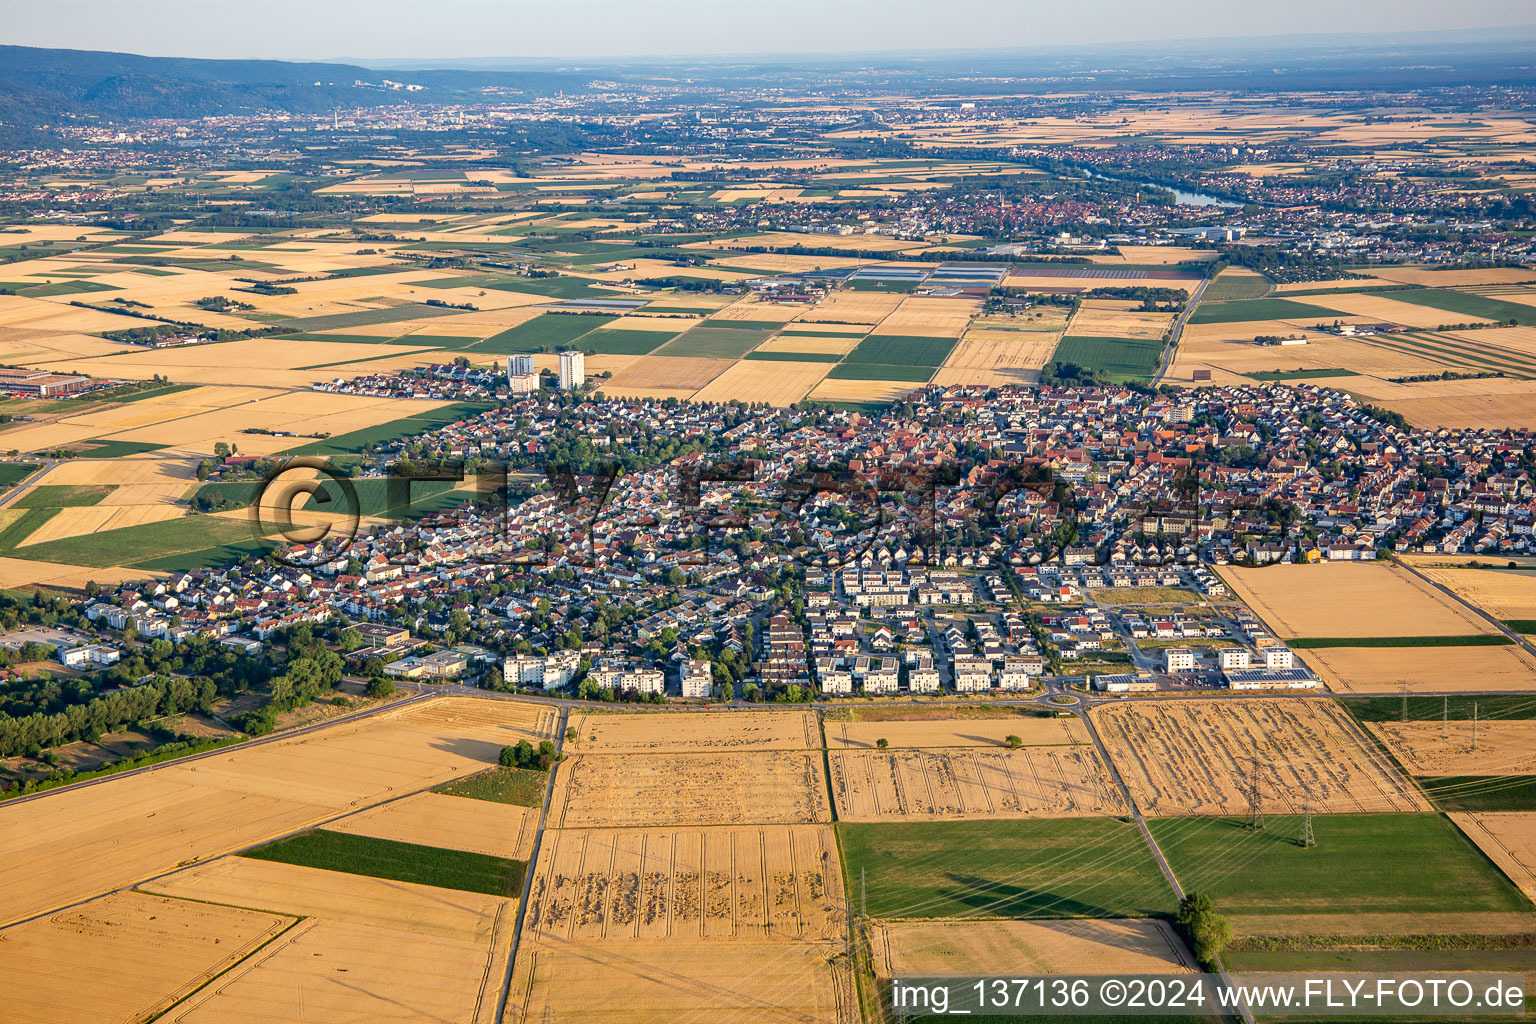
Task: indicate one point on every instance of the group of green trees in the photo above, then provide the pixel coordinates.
(523, 755)
(161, 696)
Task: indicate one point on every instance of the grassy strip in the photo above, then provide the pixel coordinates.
(1476, 640)
(22, 528)
(516, 786)
(902, 350)
(1482, 792)
(1397, 708)
(1521, 625)
(387, 433)
(400, 862)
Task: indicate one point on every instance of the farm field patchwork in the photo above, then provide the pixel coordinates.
(1431, 669)
(123, 830)
(1503, 746)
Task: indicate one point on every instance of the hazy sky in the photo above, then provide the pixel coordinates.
(419, 29)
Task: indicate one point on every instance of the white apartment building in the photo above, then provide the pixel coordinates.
(1014, 675)
(1279, 657)
(573, 370)
(1234, 658)
(545, 672)
(1179, 659)
(972, 675)
(518, 366)
(696, 679)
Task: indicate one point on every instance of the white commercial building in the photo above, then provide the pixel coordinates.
(573, 370)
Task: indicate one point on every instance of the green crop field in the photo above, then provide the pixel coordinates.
(1482, 792)
(1468, 305)
(13, 473)
(1424, 709)
(400, 862)
(64, 495)
(547, 331)
(714, 343)
(879, 371)
(115, 449)
(1362, 864)
(133, 545)
(387, 315)
(609, 342)
(1040, 868)
(1259, 309)
(503, 786)
(1121, 358)
(1228, 286)
(902, 350)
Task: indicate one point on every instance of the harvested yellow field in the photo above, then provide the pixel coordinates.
(449, 822)
(124, 957)
(728, 884)
(22, 572)
(806, 344)
(1508, 838)
(457, 943)
(1435, 669)
(1193, 757)
(993, 357)
(862, 390)
(1502, 593)
(78, 842)
(600, 791)
(665, 372)
(1392, 311)
(776, 382)
(301, 412)
(930, 317)
(1503, 746)
(642, 982)
(972, 783)
(955, 732)
(1491, 403)
(75, 522)
(692, 732)
(917, 948)
(668, 323)
(850, 307)
(1358, 599)
(1102, 318)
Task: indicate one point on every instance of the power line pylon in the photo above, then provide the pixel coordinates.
(1255, 805)
(1474, 725)
(1307, 839)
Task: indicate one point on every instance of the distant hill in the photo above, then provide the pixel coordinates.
(38, 85)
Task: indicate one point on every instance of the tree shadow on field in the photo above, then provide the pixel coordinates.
(1001, 899)
(478, 750)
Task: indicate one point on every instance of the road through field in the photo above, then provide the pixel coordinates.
(1178, 328)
